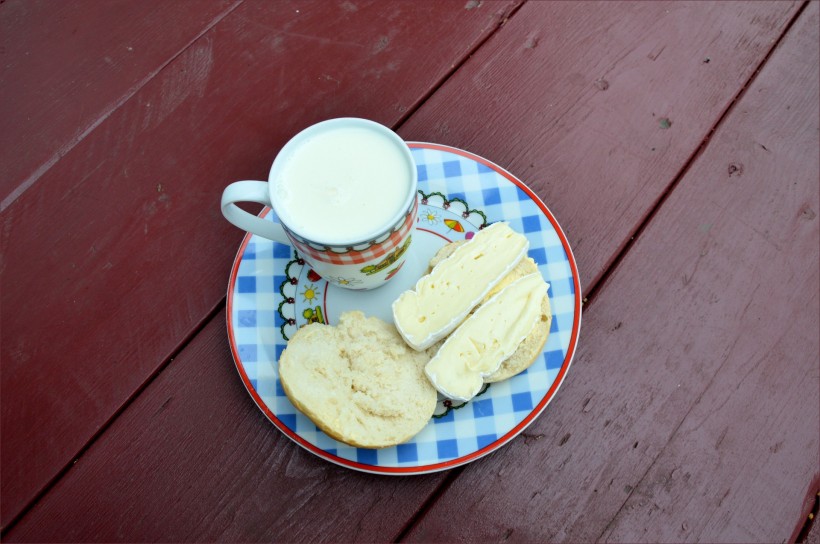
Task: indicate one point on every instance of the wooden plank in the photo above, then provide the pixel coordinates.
(345, 496)
(119, 251)
(58, 80)
(572, 97)
(691, 412)
(754, 426)
(807, 529)
(813, 536)
(151, 478)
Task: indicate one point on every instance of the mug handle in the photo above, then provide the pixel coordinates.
(251, 191)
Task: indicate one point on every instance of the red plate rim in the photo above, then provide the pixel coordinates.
(434, 467)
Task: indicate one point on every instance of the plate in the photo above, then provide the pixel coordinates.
(272, 292)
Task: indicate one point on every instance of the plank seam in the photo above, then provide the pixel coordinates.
(648, 219)
(614, 264)
(221, 304)
(106, 113)
(504, 17)
(662, 198)
(429, 503)
(454, 473)
(809, 517)
(113, 417)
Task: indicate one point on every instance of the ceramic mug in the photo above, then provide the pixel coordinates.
(344, 191)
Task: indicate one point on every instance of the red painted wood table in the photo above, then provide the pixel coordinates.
(676, 144)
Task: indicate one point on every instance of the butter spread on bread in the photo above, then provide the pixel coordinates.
(444, 297)
(489, 336)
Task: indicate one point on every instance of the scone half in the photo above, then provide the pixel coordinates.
(358, 381)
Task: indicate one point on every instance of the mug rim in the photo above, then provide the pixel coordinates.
(296, 140)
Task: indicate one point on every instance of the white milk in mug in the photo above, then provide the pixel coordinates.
(342, 186)
(344, 191)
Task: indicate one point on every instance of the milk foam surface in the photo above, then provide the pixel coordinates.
(342, 185)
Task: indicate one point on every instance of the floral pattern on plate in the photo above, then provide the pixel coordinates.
(272, 293)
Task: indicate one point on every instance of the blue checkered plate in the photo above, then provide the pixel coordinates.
(272, 292)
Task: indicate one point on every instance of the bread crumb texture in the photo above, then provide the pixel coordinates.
(358, 381)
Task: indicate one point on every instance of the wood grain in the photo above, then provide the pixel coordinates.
(598, 106)
(59, 80)
(152, 478)
(119, 251)
(690, 413)
(235, 478)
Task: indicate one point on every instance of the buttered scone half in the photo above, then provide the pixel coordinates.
(442, 299)
(533, 345)
(358, 381)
